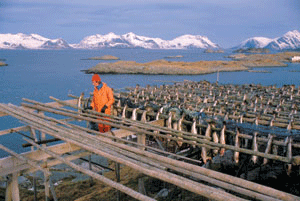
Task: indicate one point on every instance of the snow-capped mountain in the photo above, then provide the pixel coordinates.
(255, 42)
(290, 40)
(56, 44)
(191, 42)
(32, 41)
(131, 40)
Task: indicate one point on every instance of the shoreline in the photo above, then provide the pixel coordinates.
(164, 67)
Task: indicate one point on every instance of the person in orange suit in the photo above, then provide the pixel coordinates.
(103, 98)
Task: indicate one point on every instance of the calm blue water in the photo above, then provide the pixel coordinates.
(36, 75)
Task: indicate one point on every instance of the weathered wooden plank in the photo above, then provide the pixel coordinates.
(107, 181)
(54, 104)
(12, 130)
(11, 164)
(68, 135)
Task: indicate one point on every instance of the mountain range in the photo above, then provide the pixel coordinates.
(290, 40)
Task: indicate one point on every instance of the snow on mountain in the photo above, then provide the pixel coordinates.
(131, 40)
(99, 41)
(190, 41)
(55, 44)
(290, 40)
(32, 41)
(255, 42)
(142, 42)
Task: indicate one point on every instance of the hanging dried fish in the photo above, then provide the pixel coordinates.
(268, 148)
(169, 124)
(134, 115)
(223, 139)
(180, 129)
(169, 121)
(119, 103)
(194, 130)
(289, 155)
(204, 155)
(124, 112)
(157, 115)
(237, 145)
(215, 140)
(144, 116)
(254, 148)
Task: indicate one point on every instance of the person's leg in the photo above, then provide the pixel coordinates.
(103, 128)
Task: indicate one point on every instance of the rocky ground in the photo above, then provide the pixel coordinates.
(240, 62)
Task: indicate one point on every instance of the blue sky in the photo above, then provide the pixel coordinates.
(226, 23)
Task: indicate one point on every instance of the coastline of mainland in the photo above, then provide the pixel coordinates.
(239, 62)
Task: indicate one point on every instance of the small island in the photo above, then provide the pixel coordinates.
(236, 56)
(174, 57)
(105, 57)
(164, 67)
(213, 51)
(2, 63)
(253, 50)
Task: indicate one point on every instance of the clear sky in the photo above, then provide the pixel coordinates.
(225, 22)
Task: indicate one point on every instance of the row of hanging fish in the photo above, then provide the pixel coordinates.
(164, 100)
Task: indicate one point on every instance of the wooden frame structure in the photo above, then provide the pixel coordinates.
(137, 155)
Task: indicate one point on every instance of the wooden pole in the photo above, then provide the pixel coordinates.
(118, 177)
(12, 189)
(204, 143)
(15, 187)
(165, 130)
(8, 192)
(67, 138)
(101, 178)
(156, 173)
(47, 187)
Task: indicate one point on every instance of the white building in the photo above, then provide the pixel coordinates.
(296, 59)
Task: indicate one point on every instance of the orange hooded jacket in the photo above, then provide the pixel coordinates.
(102, 97)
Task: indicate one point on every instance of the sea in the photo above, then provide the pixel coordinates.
(38, 74)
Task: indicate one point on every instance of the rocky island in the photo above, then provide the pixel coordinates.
(213, 51)
(164, 67)
(253, 50)
(105, 57)
(174, 57)
(2, 63)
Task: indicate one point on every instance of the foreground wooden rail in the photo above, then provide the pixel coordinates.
(161, 164)
(123, 159)
(34, 121)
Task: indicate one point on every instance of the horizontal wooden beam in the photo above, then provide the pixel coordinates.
(28, 161)
(99, 177)
(11, 164)
(12, 130)
(54, 104)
